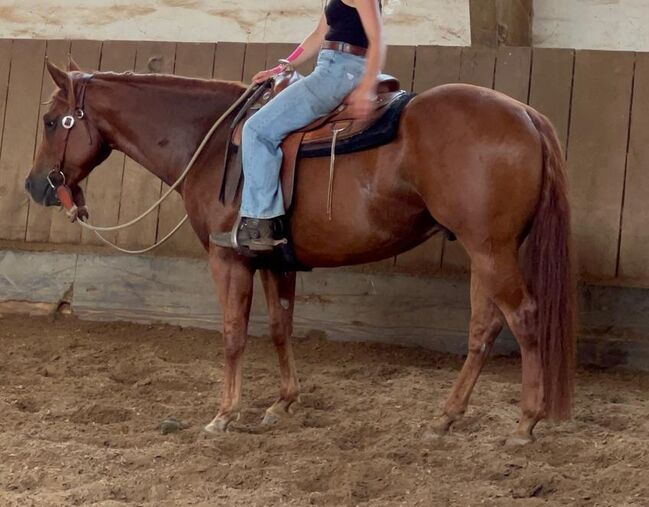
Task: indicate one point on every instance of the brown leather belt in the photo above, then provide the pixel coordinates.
(344, 47)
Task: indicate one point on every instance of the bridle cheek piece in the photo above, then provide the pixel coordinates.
(56, 177)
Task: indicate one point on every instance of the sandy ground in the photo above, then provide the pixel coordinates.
(81, 405)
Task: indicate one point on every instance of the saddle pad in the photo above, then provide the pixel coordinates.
(382, 132)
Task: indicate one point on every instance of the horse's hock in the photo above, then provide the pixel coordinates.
(419, 297)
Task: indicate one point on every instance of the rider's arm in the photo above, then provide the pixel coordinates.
(370, 15)
(361, 100)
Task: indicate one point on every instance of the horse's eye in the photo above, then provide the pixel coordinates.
(50, 124)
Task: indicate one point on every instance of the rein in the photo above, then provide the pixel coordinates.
(64, 194)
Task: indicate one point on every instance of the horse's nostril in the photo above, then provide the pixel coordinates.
(28, 184)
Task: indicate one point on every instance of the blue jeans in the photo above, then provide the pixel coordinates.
(313, 97)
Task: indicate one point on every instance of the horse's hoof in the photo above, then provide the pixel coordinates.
(217, 426)
(443, 426)
(519, 440)
(275, 412)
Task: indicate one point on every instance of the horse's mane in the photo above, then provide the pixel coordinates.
(182, 83)
(171, 80)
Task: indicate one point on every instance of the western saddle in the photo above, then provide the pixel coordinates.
(322, 134)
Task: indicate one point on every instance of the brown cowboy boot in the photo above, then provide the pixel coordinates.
(256, 234)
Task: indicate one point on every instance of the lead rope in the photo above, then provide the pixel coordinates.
(96, 229)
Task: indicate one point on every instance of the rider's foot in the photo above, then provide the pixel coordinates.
(256, 234)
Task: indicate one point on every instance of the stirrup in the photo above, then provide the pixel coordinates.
(224, 239)
(257, 245)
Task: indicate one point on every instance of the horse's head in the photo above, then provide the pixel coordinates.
(71, 146)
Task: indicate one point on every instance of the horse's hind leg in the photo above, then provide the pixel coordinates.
(234, 286)
(486, 323)
(280, 298)
(503, 281)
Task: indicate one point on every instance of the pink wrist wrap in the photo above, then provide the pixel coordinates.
(292, 57)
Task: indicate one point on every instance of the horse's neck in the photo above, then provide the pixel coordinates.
(160, 126)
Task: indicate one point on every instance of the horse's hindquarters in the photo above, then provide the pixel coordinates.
(475, 157)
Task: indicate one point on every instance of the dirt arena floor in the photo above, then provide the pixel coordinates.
(81, 404)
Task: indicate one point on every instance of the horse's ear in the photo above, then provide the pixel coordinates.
(72, 65)
(59, 76)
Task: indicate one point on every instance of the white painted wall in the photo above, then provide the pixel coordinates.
(595, 24)
(598, 24)
(444, 22)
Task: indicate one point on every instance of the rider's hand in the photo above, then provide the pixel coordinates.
(264, 75)
(360, 102)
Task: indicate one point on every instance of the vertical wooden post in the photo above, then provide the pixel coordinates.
(501, 22)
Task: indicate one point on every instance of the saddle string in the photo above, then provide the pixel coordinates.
(332, 166)
(96, 229)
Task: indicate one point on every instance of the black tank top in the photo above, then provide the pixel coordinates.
(345, 24)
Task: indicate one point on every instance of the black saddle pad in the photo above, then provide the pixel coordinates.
(382, 132)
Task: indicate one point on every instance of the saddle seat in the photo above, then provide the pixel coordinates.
(322, 130)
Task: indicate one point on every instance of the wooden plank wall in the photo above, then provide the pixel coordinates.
(597, 100)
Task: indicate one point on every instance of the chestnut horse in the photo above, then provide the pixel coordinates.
(466, 159)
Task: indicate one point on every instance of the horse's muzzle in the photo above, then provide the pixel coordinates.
(41, 191)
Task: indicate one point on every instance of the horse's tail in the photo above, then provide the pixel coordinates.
(548, 267)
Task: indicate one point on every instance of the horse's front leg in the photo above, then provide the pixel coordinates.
(234, 281)
(280, 298)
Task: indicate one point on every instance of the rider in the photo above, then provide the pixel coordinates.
(351, 53)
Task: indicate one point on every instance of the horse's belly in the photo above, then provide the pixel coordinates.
(365, 225)
(318, 255)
